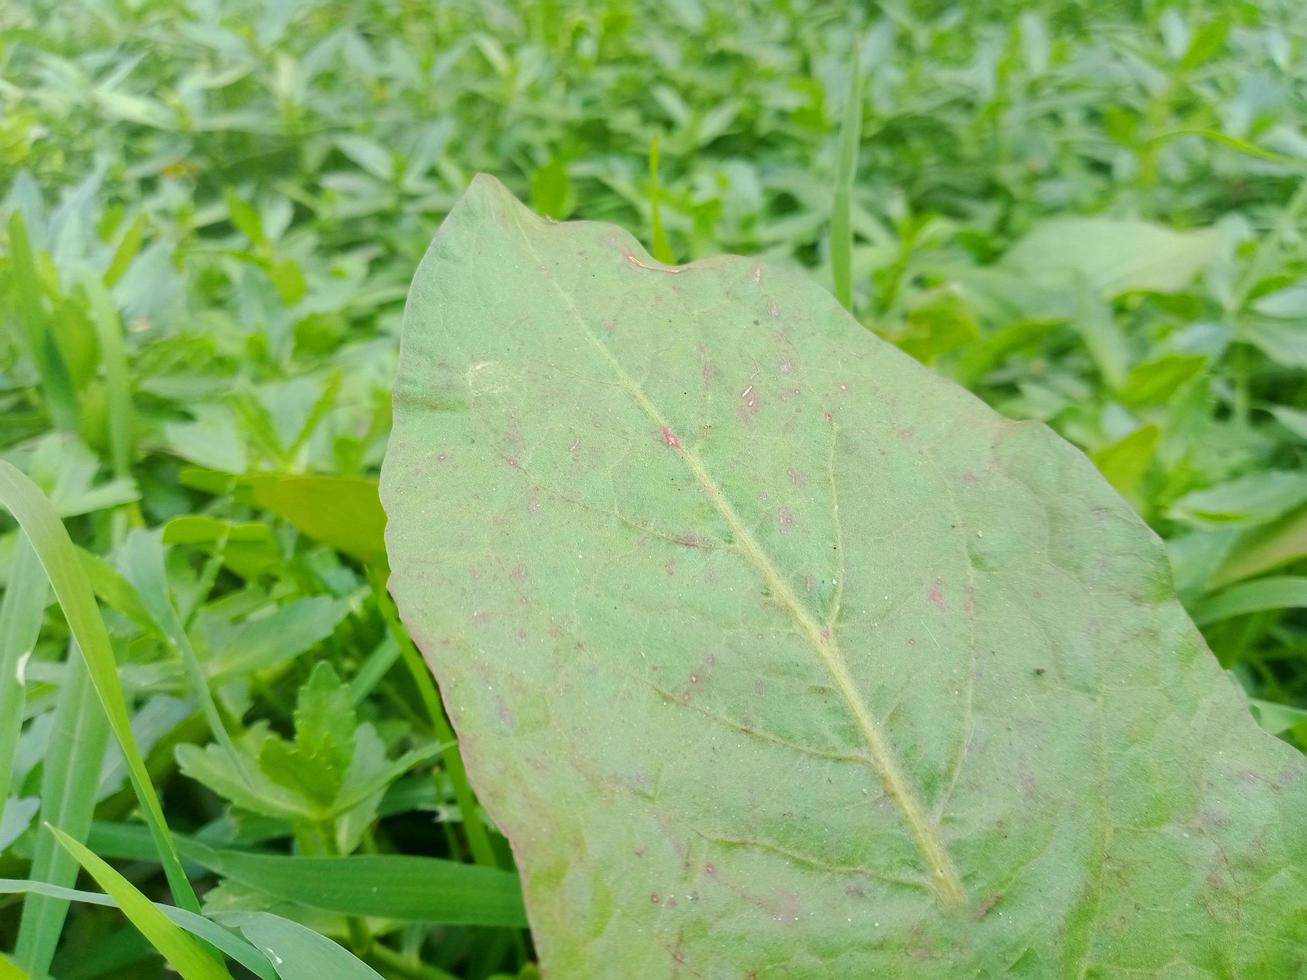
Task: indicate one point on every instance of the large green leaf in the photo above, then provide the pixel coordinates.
(775, 654)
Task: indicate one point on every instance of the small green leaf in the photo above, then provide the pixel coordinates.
(1125, 461)
(1157, 382)
(269, 640)
(248, 548)
(298, 951)
(1283, 341)
(1277, 718)
(1265, 548)
(340, 511)
(1253, 499)
(1277, 592)
(551, 190)
(938, 323)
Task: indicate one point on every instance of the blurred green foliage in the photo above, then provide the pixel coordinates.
(1089, 214)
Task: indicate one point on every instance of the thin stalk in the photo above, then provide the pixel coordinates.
(841, 223)
(659, 246)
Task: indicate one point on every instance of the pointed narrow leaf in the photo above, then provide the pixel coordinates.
(197, 925)
(298, 951)
(183, 954)
(774, 653)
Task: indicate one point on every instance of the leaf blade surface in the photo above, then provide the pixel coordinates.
(772, 651)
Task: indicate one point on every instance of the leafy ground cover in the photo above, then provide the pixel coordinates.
(1088, 216)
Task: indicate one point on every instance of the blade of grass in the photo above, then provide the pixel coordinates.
(659, 246)
(56, 383)
(477, 839)
(841, 222)
(197, 925)
(69, 776)
(64, 569)
(108, 328)
(391, 886)
(182, 953)
(20, 624)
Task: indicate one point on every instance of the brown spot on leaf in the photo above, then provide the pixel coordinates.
(670, 568)
(937, 595)
(669, 437)
(750, 398)
(773, 310)
(785, 518)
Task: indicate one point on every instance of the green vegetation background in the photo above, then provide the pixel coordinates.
(1089, 213)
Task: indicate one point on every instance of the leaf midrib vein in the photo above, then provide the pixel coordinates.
(943, 874)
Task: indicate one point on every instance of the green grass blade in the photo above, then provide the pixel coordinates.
(659, 246)
(64, 569)
(185, 956)
(71, 772)
(20, 624)
(395, 886)
(56, 382)
(392, 886)
(197, 925)
(109, 330)
(299, 952)
(841, 223)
